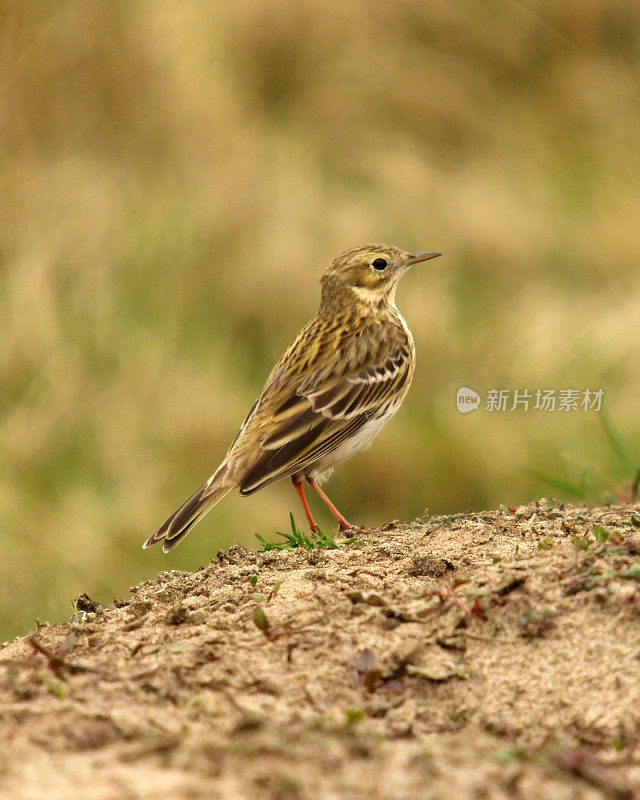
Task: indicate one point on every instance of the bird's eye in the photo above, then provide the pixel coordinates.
(379, 263)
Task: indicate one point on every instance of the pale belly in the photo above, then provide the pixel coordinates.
(359, 441)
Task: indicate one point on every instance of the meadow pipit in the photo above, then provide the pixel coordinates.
(330, 394)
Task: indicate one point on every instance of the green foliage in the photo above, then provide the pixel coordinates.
(633, 573)
(259, 615)
(581, 542)
(600, 534)
(260, 619)
(297, 538)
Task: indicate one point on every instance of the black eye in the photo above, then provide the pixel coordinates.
(379, 263)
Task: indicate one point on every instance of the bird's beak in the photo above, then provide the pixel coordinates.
(416, 258)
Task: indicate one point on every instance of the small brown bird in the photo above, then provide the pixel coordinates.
(328, 397)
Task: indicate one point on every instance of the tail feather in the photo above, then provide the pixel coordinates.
(180, 523)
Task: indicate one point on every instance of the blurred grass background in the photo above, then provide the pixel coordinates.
(175, 176)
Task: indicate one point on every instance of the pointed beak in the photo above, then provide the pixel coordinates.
(416, 258)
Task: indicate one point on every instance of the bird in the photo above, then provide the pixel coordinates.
(338, 384)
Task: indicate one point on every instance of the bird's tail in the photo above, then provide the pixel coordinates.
(180, 523)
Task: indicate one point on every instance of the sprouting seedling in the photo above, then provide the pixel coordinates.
(259, 597)
(259, 615)
(260, 620)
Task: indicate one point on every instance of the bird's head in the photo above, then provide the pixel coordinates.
(370, 273)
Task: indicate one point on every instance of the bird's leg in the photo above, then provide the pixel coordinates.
(344, 524)
(298, 487)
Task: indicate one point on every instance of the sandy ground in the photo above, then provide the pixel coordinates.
(488, 655)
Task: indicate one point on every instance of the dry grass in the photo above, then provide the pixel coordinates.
(173, 178)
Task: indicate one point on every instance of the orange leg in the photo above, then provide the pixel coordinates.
(344, 524)
(298, 487)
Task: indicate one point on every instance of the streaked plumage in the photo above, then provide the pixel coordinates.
(331, 393)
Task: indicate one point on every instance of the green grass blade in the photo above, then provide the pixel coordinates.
(297, 538)
(615, 442)
(635, 485)
(577, 491)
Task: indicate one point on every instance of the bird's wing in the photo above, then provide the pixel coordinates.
(356, 385)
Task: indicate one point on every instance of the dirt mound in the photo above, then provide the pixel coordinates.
(484, 655)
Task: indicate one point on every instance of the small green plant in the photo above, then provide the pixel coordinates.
(600, 534)
(260, 620)
(259, 615)
(546, 543)
(259, 597)
(353, 717)
(581, 542)
(56, 687)
(297, 538)
(633, 573)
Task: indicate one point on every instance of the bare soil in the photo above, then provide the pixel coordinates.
(487, 655)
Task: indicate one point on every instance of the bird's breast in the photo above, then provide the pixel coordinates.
(360, 440)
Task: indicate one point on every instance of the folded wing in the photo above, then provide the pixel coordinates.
(324, 411)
